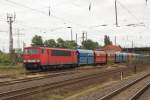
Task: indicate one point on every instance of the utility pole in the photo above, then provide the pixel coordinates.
(71, 33)
(10, 20)
(76, 38)
(115, 40)
(132, 46)
(86, 36)
(83, 36)
(146, 2)
(132, 43)
(116, 13)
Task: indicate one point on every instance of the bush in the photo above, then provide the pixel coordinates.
(5, 59)
(10, 59)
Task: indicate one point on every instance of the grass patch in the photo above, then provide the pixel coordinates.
(12, 70)
(110, 62)
(51, 97)
(88, 90)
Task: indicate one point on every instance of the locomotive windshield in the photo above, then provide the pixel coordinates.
(30, 51)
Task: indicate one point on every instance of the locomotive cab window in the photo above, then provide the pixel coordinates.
(31, 51)
(60, 53)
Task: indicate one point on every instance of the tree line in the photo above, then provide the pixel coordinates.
(60, 43)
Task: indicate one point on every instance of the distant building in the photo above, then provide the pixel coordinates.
(112, 48)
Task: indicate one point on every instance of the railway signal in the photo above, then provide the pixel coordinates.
(71, 33)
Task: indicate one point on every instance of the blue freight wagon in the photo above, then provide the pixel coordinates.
(125, 57)
(121, 57)
(85, 56)
(118, 57)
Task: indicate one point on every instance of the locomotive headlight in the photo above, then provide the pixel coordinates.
(31, 61)
(38, 60)
(24, 61)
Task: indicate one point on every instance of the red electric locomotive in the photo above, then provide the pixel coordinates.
(45, 58)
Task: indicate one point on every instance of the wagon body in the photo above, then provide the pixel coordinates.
(85, 56)
(100, 57)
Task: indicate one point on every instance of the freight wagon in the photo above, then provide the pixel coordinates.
(85, 57)
(121, 57)
(100, 57)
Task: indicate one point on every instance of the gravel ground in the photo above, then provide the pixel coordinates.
(145, 95)
(129, 92)
(94, 95)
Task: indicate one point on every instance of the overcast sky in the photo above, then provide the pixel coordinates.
(32, 17)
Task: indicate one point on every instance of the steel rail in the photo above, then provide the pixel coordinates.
(140, 92)
(34, 78)
(113, 93)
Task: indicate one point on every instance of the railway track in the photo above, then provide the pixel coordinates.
(21, 92)
(26, 91)
(131, 90)
(54, 74)
(138, 94)
(45, 75)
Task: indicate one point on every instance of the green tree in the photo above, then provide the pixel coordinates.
(70, 44)
(89, 44)
(107, 40)
(50, 43)
(1, 51)
(5, 59)
(60, 43)
(37, 41)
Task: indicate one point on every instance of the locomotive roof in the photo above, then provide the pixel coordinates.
(50, 48)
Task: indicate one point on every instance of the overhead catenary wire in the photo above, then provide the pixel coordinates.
(36, 10)
(128, 11)
(136, 18)
(22, 5)
(44, 13)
